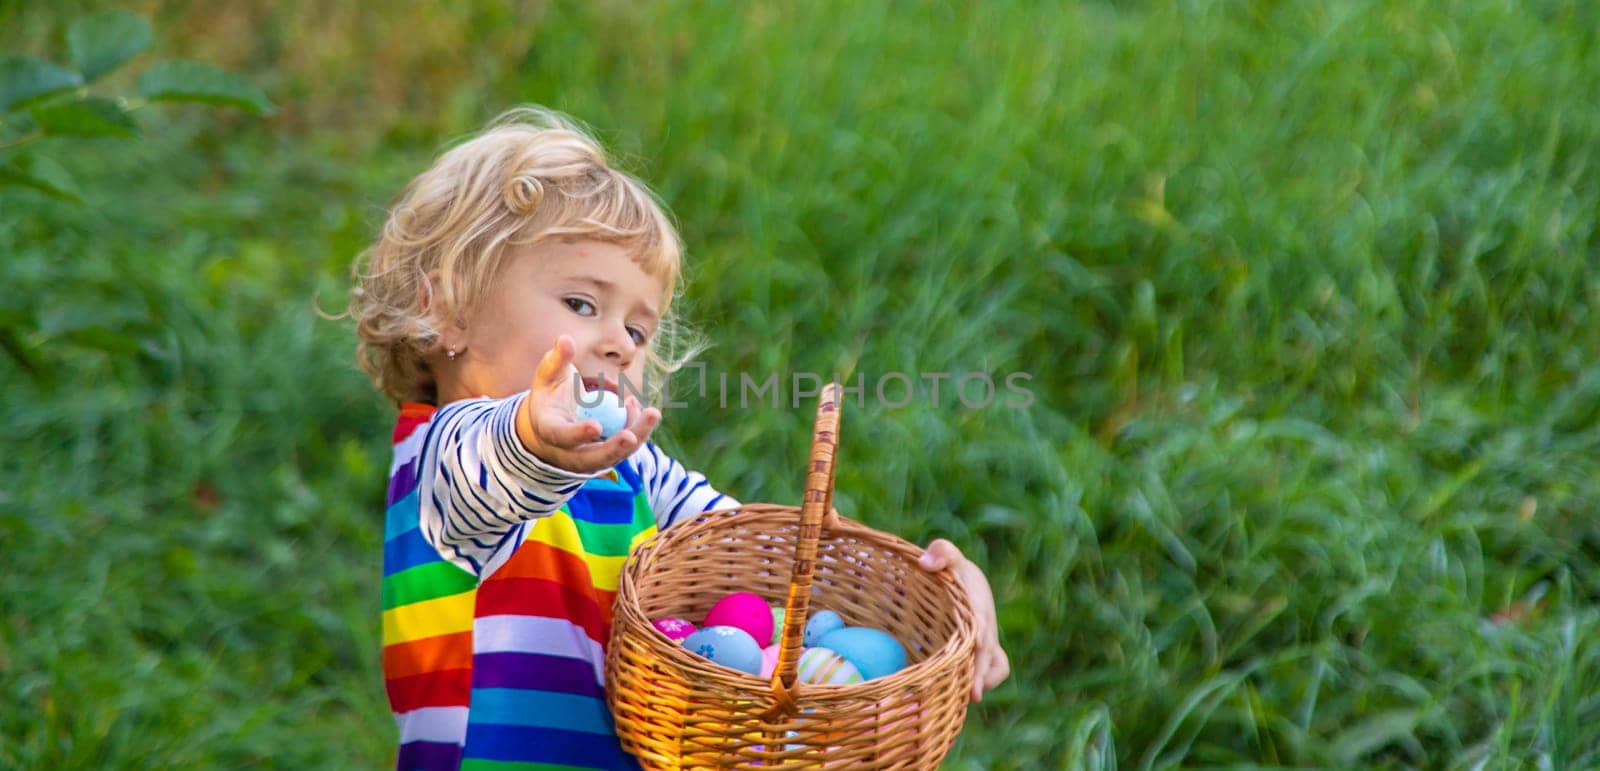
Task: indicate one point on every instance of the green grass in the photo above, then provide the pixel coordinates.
(1306, 292)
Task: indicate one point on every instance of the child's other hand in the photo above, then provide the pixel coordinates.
(993, 666)
(549, 427)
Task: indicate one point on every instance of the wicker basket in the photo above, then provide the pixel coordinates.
(676, 710)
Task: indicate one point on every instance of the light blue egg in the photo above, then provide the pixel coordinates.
(608, 412)
(876, 653)
(729, 646)
(819, 625)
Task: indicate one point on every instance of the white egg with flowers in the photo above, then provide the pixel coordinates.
(729, 646)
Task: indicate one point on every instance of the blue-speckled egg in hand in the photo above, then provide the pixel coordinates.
(729, 646)
(607, 411)
(876, 653)
(819, 625)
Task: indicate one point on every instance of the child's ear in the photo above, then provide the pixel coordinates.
(452, 333)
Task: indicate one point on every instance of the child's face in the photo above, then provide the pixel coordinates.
(592, 291)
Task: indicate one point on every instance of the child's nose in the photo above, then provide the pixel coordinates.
(617, 344)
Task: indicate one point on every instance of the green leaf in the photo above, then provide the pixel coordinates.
(104, 41)
(91, 117)
(99, 338)
(1397, 726)
(190, 81)
(17, 124)
(23, 78)
(41, 175)
(26, 355)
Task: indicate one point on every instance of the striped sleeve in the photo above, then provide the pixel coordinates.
(482, 483)
(675, 492)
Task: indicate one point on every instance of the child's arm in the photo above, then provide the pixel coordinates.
(549, 427)
(479, 481)
(992, 666)
(675, 492)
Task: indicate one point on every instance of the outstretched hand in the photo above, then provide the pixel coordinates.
(992, 666)
(548, 424)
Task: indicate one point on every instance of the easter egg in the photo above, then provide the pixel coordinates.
(604, 407)
(820, 666)
(778, 614)
(729, 646)
(874, 652)
(769, 660)
(673, 627)
(745, 610)
(819, 625)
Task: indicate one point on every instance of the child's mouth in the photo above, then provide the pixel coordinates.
(598, 384)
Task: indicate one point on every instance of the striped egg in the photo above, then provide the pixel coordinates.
(820, 666)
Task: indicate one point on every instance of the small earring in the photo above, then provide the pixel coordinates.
(451, 353)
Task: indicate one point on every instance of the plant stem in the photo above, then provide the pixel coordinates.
(22, 140)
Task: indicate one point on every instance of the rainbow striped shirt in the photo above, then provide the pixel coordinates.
(498, 576)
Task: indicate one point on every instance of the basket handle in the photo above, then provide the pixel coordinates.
(815, 509)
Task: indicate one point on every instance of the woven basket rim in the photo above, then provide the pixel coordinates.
(631, 616)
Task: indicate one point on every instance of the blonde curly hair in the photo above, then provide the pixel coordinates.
(533, 174)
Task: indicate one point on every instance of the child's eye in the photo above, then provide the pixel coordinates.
(639, 335)
(580, 306)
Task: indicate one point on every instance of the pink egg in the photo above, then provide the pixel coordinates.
(673, 627)
(745, 610)
(769, 660)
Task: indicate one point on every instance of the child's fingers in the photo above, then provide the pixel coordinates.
(568, 434)
(555, 366)
(641, 421)
(939, 555)
(999, 668)
(608, 453)
(636, 432)
(991, 666)
(580, 442)
(598, 455)
(990, 669)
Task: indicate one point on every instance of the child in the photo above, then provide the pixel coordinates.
(519, 263)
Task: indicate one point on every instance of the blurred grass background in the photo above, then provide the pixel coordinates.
(1305, 290)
